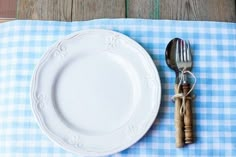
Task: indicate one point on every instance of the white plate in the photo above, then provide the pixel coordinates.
(95, 92)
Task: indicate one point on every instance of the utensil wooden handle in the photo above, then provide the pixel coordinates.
(179, 133)
(188, 131)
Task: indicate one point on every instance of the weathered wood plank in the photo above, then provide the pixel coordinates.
(148, 9)
(92, 9)
(67, 10)
(8, 9)
(212, 10)
(44, 9)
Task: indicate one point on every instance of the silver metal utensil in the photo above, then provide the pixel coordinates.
(184, 63)
(170, 56)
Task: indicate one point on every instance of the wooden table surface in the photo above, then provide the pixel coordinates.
(76, 10)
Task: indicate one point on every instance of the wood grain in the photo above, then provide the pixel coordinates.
(93, 9)
(8, 9)
(67, 10)
(179, 123)
(44, 9)
(212, 10)
(148, 9)
(188, 118)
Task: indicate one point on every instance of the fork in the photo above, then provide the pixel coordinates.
(184, 63)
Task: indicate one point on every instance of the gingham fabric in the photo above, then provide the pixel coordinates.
(22, 43)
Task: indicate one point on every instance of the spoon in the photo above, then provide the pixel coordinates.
(171, 62)
(170, 57)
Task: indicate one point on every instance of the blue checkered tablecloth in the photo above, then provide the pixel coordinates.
(22, 43)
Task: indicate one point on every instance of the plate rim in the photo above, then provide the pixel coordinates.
(53, 137)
